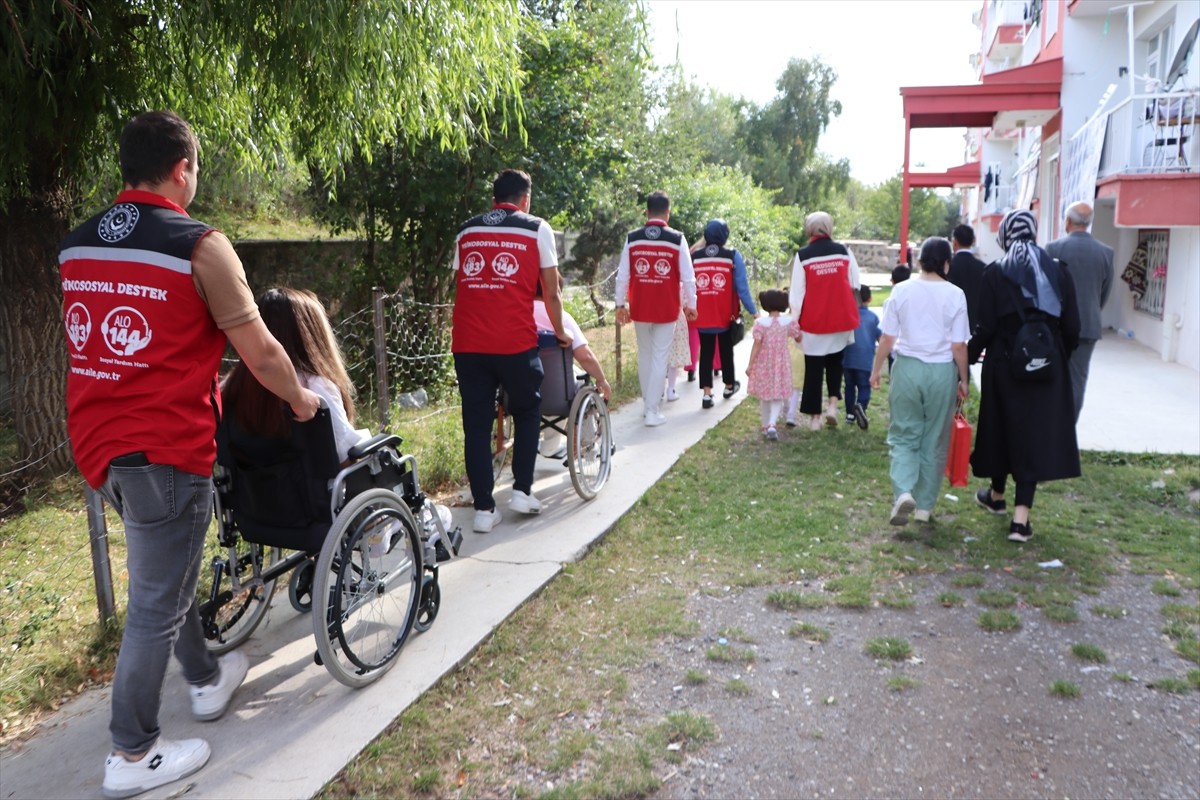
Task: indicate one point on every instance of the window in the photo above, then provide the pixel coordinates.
(1151, 300)
(1158, 57)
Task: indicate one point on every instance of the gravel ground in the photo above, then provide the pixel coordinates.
(819, 720)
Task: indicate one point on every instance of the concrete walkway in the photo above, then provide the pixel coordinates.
(293, 727)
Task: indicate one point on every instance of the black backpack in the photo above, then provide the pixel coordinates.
(1034, 356)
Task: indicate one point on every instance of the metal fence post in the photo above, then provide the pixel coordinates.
(381, 371)
(617, 348)
(101, 567)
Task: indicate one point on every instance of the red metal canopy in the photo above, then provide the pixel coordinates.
(1034, 87)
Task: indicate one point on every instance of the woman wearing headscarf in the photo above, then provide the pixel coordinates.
(720, 285)
(1026, 429)
(823, 296)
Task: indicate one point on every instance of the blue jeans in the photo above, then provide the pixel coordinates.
(166, 514)
(858, 388)
(479, 376)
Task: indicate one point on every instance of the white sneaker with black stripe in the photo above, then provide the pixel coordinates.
(164, 763)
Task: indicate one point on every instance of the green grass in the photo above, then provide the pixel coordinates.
(1172, 685)
(695, 677)
(902, 683)
(950, 599)
(1066, 689)
(809, 632)
(1182, 613)
(1109, 612)
(996, 599)
(725, 654)
(737, 687)
(1089, 652)
(1060, 614)
(889, 648)
(578, 645)
(1178, 630)
(1166, 588)
(999, 621)
(1123, 677)
(1189, 649)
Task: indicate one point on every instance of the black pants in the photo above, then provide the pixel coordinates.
(816, 367)
(1025, 490)
(479, 376)
(708, 344)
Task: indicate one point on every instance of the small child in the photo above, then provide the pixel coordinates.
(770, 371)
(858, 359)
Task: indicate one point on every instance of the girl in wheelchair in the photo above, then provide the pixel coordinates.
(298, 320)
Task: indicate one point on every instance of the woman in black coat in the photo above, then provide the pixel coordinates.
(1026, 429)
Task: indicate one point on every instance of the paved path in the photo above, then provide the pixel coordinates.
(293, 727)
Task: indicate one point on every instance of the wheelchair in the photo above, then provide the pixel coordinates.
(365, 545)
(573, 407)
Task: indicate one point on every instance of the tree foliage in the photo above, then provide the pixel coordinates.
(326, 78)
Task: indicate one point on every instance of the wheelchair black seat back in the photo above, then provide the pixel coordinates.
(570, 406)
(367, 544)
(278, 489)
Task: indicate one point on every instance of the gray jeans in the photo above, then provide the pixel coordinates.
(166, 514)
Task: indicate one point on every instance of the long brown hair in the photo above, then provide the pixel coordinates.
(296, 318)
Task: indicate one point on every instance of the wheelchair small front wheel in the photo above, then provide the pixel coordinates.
(367, 587)
(300, 586)
(231, 596)
(589, 442)
(431, 603)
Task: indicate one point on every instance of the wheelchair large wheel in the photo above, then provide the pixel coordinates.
(367, 587)
(589, 442)
(502, 439)
(228, 617)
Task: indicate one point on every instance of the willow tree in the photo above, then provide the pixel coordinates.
(323, 78)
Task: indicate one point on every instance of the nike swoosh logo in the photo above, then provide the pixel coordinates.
(1036, 364)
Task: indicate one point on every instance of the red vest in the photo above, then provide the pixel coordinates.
(499, 266)
(716, 295)
(830, 305)
(144, 350)
(654, 272)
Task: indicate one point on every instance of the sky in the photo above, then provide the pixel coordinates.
(741, 47)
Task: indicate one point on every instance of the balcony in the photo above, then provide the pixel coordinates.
(1152, 134)
(1150, 160)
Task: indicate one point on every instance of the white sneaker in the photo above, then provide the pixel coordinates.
(525, 503)
(903, 506)
(653, 419)
(167, 761)
(672, 395)
(921, 515)
(486, 520)
(210, 702)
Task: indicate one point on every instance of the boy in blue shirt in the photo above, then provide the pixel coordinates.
(858, 359)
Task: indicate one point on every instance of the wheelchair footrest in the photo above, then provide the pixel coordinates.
(455, 536)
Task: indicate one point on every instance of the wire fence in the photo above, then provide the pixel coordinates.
(64, 554)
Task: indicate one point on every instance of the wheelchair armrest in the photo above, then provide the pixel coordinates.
(379, 440)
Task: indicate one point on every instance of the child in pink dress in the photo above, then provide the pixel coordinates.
(770, 369)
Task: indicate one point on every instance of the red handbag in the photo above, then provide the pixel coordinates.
(959, 457)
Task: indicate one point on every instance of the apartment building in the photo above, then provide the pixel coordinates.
(1094, 100)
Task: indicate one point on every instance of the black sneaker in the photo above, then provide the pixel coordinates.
(1020, 533)
(731, 390)
(984, 498)
(707, 402)
(691, 373)
(860, 416)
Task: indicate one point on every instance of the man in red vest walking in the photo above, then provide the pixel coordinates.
(499, 257)
(150, 299)
(655, 266)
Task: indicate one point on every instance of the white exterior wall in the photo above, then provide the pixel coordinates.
(1090, 61)
(1181, 311)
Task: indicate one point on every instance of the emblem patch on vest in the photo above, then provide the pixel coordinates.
(702, 280)
(662, 267)
(712, 250)
(125, 331)
(495, 216)
(118, 222)
(641, 266)
(653, 231)
(505, 265)
(473, 265)
(79, 325)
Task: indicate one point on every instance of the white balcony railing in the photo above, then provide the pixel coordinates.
(1152, 133)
